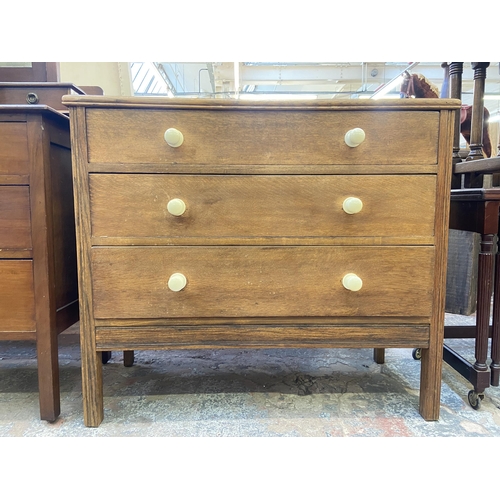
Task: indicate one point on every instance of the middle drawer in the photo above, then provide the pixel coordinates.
(247, 206)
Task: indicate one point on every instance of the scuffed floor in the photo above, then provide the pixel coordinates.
(272, 392)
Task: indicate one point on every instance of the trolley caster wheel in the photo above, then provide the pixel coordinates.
(475, 399)
(417, 353)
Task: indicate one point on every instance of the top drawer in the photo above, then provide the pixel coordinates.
(262, 137)
(34, 95)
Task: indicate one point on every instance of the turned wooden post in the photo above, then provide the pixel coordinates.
(455, 71)
(476, 134)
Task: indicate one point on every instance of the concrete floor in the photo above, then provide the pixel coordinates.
(244, 393)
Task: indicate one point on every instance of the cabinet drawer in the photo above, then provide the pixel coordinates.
(13, 148)
(276, 206)
(261, 137)
(15, 224)
(17, 302)
(250, 281)
(37, 94)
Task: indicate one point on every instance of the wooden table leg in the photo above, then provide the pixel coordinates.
(484, 290)
(128, 358)
(92, 389)
(92, 383)
(495, 340)
(379, 355)
(48, 375)
(432, 362)
(105, 356)
(430, 383)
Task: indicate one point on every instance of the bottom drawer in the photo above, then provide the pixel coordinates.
(17, 298)
(132, 282)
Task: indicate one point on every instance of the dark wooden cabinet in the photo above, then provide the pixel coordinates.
(38, 276)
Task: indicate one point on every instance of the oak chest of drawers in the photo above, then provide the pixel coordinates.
(38, 275)
(218, 223)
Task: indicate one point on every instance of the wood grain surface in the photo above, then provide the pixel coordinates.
(252, 137)
(17, 302)
(13, 148)
(257, 206)
(15, 219)
(131, 282)
(264, 243)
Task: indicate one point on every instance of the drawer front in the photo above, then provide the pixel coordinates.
(250, 281)
(15, 221)
(261, 206)
(262, 137)
(17, 302)
(34, 95)
(13, 148)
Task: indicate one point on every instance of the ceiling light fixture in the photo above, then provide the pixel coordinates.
(277, 97)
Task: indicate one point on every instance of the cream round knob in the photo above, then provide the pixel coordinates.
(177, 282)
(174, 137)
(354, 137)
(352, 282)
(176, 207)
(352, 205)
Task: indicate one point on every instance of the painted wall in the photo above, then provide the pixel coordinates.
(113, 77)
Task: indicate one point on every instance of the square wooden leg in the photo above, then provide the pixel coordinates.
(430, 383)
(48, 375)
(92, 388)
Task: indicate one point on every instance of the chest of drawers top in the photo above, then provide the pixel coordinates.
(222, 136)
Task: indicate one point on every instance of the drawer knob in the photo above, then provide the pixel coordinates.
(352, 282)
(176, 207)
(352, 205)
(354, 137)
(177, 282)
(174, 137)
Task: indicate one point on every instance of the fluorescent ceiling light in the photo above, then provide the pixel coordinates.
(277, 97)
(494, 118)
(492, 97)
